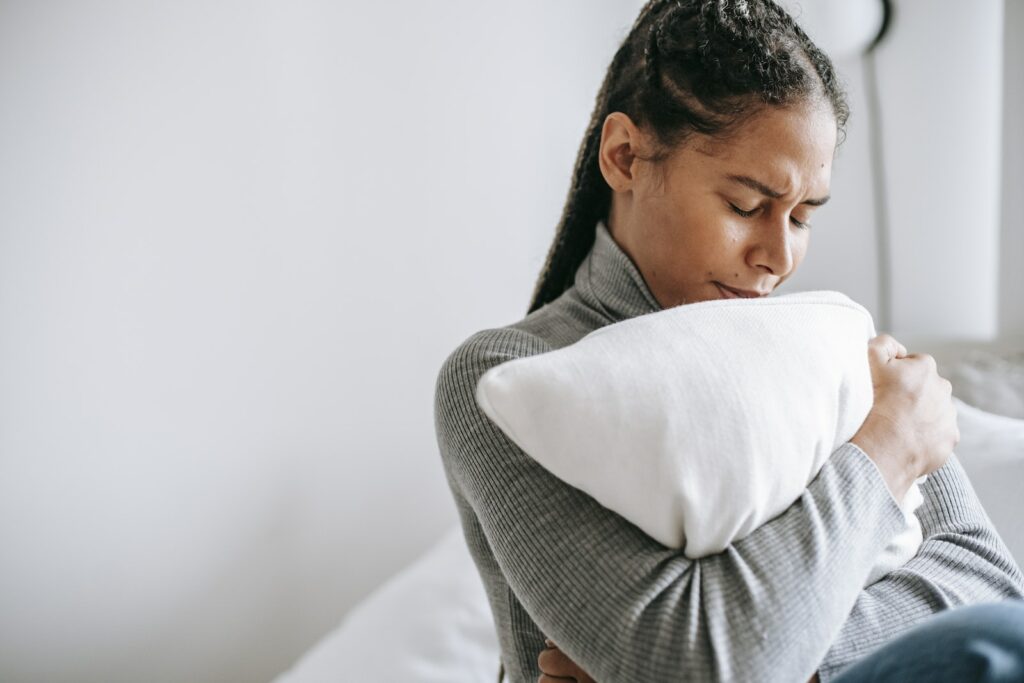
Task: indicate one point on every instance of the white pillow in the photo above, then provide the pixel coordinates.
(987, 437)
(991, 450)
(701, 422)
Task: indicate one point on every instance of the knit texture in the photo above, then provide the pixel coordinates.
(782, 603)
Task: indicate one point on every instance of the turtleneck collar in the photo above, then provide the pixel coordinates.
(609, 281)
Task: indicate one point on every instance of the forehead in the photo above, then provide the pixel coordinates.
(788, 148)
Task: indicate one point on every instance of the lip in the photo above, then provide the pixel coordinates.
(732, 293)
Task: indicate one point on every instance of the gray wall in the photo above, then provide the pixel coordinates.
(1011, 280)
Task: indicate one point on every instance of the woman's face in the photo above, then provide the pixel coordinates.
(718, 216)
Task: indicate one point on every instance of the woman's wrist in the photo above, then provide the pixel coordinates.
(893, 469)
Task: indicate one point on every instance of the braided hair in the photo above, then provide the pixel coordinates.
(686, 66)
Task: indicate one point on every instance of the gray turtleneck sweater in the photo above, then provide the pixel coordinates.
(782, 603)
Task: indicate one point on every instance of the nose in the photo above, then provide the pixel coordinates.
(772, 247)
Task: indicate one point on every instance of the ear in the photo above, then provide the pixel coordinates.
(617, 154)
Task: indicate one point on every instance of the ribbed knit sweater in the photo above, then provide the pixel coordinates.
(782, 603)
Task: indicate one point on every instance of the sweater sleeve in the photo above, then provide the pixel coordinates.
(625, 607)
(961, 561)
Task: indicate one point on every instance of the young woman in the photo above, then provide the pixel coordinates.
(709, 149)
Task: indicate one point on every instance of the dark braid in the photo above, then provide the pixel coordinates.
(686, 66)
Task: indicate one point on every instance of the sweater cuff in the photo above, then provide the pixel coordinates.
(857, 452)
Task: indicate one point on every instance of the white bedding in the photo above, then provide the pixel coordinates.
(430, 623)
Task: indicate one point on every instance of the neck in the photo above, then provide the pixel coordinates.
(620, 222)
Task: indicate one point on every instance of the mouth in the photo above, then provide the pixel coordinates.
(730, 293)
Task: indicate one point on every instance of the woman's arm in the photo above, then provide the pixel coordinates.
(961, 561)
(627, 608)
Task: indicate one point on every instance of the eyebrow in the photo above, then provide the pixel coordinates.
(769, 192)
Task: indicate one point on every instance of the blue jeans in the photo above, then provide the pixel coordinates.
(965, 644)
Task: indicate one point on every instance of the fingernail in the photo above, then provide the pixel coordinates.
(547, 641)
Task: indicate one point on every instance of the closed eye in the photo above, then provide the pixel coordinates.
(745, 214)
(748, 214)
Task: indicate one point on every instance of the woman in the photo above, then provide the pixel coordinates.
(709, 149)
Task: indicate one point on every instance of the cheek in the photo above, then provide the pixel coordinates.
(693, 239)
(722, 239)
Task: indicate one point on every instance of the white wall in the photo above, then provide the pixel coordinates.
(237, 240)
(941, 80)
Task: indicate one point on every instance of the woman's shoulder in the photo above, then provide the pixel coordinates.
(551, 327)
(487, 348)
(460, 424)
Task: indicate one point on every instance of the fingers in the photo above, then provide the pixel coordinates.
(884, 348)
(555, 665)
(927, 359)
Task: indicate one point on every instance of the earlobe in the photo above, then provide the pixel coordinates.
(616, 153)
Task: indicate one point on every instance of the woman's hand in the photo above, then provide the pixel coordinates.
(911, 429)
(556, 666)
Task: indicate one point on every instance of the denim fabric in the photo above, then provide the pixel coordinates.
(983, 643)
